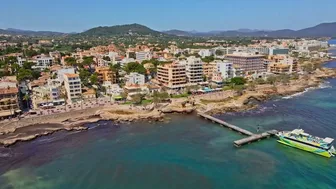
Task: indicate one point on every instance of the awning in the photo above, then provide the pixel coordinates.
(118, 97)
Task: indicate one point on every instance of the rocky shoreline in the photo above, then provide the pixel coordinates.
(30, 128)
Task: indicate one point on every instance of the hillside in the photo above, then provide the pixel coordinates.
(321, 30)
(120, 30)
(12, 31)
(178, 33)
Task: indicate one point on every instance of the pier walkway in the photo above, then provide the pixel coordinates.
(251, 136)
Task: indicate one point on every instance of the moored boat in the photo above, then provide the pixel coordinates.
(304, 141)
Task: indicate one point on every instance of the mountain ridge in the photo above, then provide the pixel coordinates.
(320, 30)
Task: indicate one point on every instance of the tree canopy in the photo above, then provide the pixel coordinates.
(238, 81)
(134, 67)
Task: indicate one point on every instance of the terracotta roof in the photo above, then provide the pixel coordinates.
(70, 75)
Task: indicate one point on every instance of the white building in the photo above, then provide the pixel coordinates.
(205, 52)
(61, 72)
(21, 60)
(143, 55)
(112, 89)
(72, 84)
(225, 68)
(135, 78)
(194, 69)
(43, 62)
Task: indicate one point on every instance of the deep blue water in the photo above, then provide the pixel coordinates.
(186, 152)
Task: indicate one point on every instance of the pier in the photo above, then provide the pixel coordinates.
(251, 136)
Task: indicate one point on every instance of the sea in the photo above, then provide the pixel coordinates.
(185, 151)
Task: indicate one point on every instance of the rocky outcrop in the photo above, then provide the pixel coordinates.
(177, 110)
(31, 132)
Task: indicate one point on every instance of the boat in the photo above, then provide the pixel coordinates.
(304, 141)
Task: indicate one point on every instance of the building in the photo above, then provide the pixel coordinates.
(135, 79)
(106, 74)
(205, 52)
(143, 55)
(208, 69)
(172, 76)
(279, 68)
(224, 68)
(43, 62)
(72, 84)
(112, 89)
(61, 72)
(9, 105)
(217, 79)
(248, 62)
(194, 69)
(89, 94)
(278, 51)
(21, 60)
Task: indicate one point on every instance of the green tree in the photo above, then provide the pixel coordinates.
(28, 65)
(15, 68)
(208, 59)
(308, 67)
(137, 98)
(94, 79)
(70, 61)
(88, 61)
(134, 67)
(238, 81)
(106, 58)
(84, 76)
(24, 74)
(26, 97)
(219, 53)
(271, 80)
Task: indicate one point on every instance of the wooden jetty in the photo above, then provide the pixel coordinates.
(251, 136)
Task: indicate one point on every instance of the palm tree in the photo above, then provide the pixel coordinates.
(26, 97)
(64, 96)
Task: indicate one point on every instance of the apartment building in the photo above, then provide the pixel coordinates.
(194, 69)
(72, 84)
(143, 55)
(9, 104)
(61, 72)
(279, 68)
(21, 60)
(172, 76)
(135, 79)
(225, 68)
(43, 62)
(106, 74)
(208, 69)
(249, 63)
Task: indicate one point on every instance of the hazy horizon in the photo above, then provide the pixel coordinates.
(80, 15)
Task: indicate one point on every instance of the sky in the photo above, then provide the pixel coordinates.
(199, 15)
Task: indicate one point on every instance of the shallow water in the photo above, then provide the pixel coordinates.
(186, 152)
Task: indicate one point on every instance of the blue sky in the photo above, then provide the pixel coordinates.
(200, 15)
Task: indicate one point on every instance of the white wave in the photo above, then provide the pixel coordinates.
(298, 94)
(321, 86)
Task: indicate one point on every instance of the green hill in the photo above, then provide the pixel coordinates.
(129, 29)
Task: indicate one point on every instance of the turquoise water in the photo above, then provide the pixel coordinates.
(186, 152)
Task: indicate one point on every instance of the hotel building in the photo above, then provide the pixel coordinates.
(9, 104)
(194, 69)
(72, 84)
(172, 76)
(249, 63)
(106, 74)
